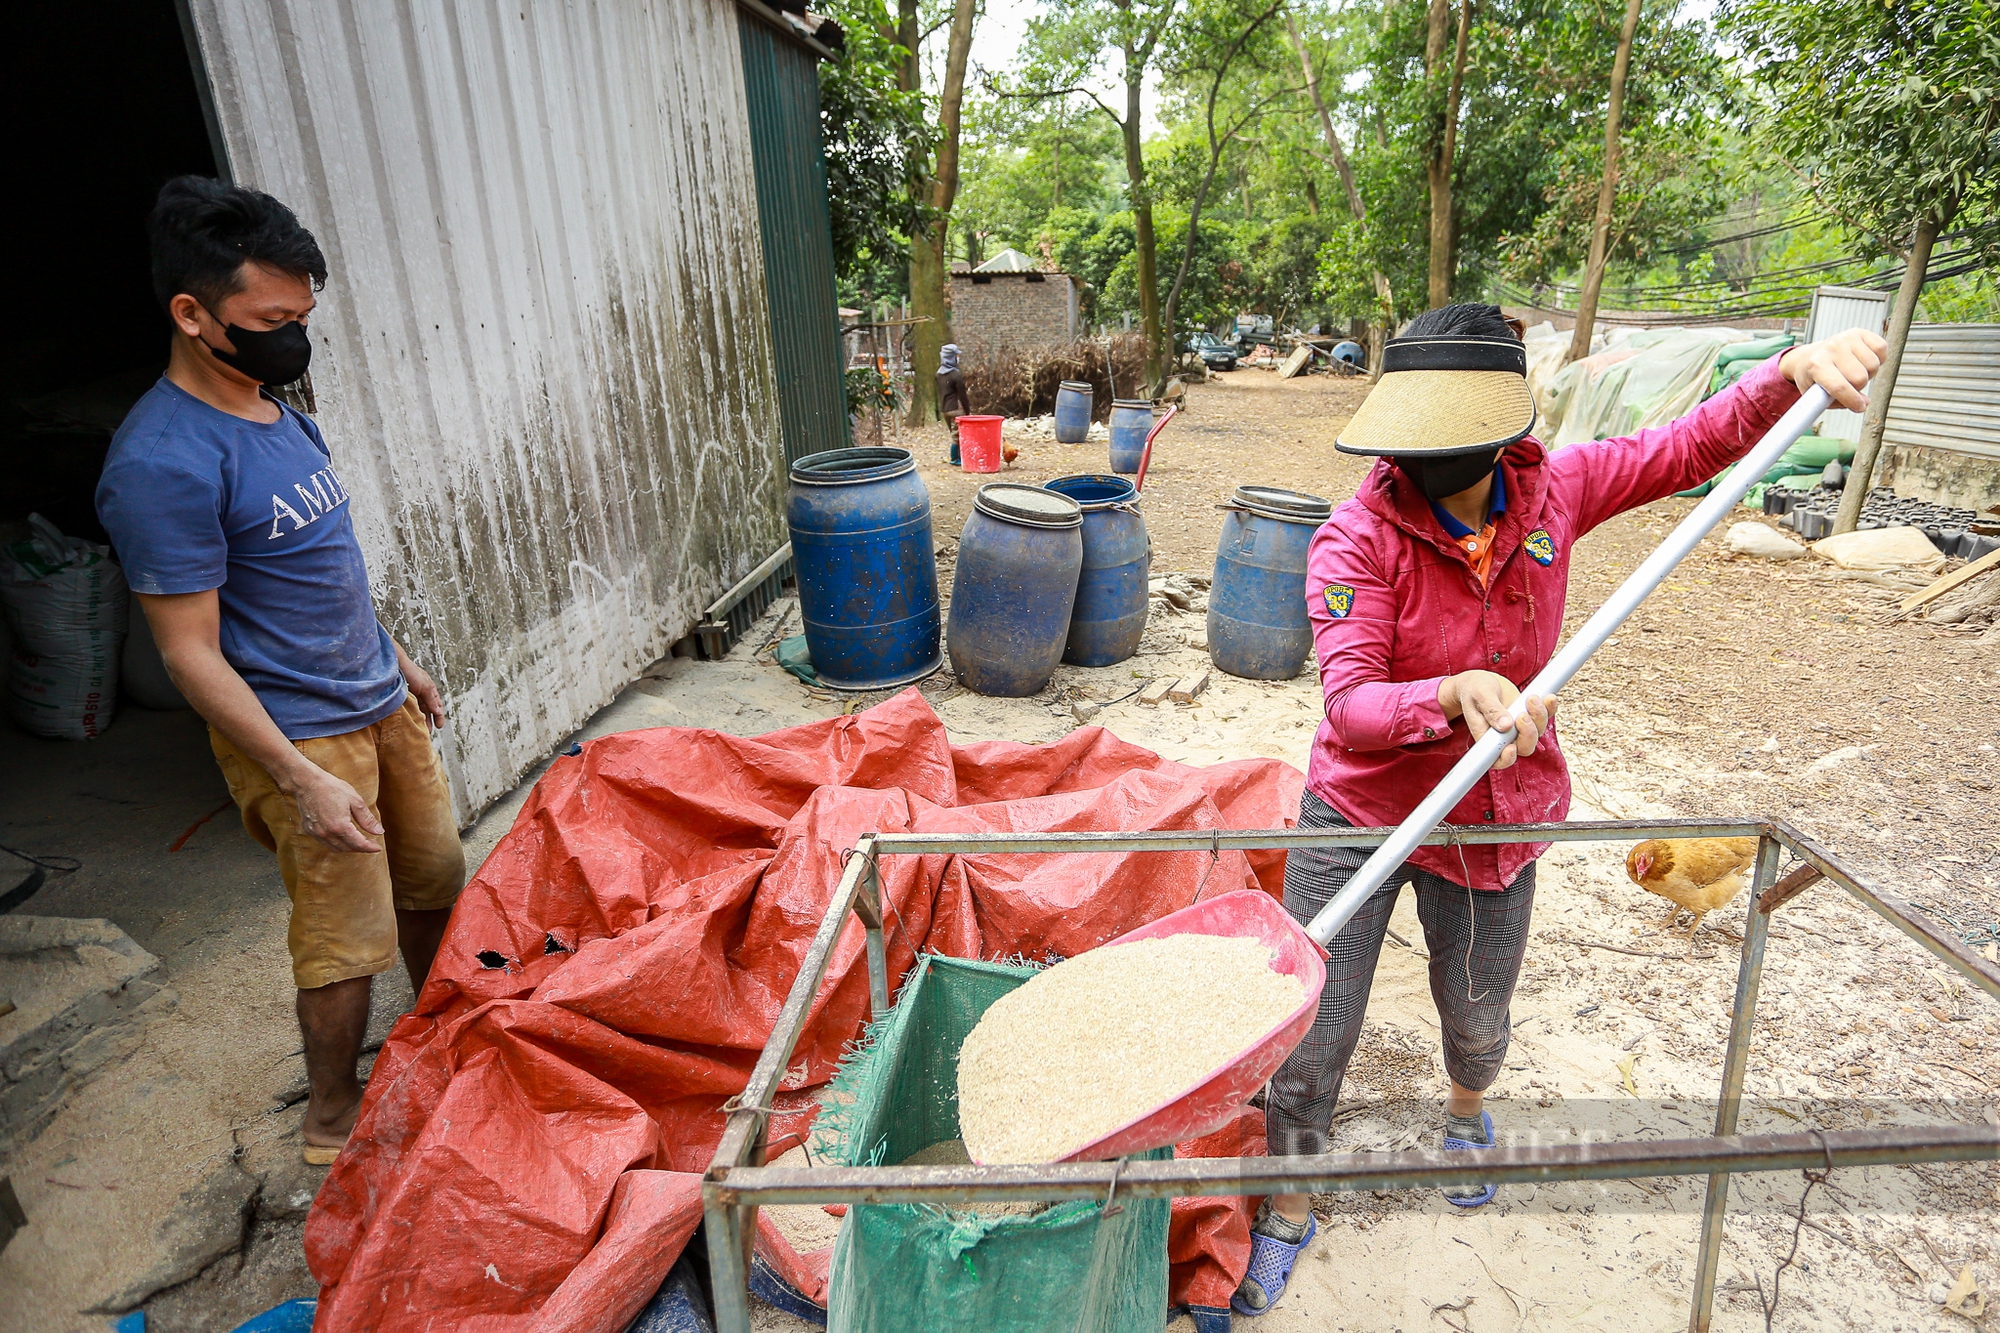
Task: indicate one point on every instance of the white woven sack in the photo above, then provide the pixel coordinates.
(66, 606)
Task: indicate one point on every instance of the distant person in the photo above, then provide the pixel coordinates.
(952, 400)
(236, 533)
(1436, 594)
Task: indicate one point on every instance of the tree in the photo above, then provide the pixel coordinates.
(1890, 113)
(1025, 161)
(1442, 157)
(933, 225)
(876, 139)
(1218, 37)
(1385, 318)
(1514, 110)
(1065, 47)
(1593, 272)
(1678, 165)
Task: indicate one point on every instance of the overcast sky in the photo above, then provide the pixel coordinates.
(999, 32)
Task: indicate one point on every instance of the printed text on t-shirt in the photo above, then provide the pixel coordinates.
(324, 494)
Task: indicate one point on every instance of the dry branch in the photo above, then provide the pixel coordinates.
(1022, 382)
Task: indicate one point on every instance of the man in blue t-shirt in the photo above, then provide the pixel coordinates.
(237, 534)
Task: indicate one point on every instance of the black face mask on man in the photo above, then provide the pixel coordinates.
(269, 356)
(1439, 477)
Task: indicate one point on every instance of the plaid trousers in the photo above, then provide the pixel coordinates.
(1476, 940)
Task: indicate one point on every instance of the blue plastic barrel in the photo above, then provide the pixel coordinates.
(1131, 418)
(861, 540)
(1109, 618)
(1350, 352)
(1075, 402)
(1018, 561)
(1257, 625)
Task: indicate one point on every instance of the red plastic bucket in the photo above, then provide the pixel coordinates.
(979, 443)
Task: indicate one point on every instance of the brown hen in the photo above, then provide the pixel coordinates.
(1700, 874)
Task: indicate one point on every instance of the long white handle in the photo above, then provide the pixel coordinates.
(1569, 659)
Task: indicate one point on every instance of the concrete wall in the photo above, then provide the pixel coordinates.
(992, 312)
(543, 358)
(1940, 476)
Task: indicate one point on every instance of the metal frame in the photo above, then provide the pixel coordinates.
(737, 1181)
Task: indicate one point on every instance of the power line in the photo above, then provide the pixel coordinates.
(1769, 301)
(1772, 230)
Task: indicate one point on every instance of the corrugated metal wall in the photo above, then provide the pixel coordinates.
(543, 362)
(1836, 310)
(781, 86)
(1948, 390)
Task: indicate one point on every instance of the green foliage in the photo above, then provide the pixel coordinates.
(1973, 298)
(1890, 111)
(1707, 216)
(1025, 161)
(1285, 266)
(1219, 279)
(877, 139)
(869, 388)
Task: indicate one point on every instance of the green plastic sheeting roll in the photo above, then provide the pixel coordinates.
(1739, 359)
(1808, 457)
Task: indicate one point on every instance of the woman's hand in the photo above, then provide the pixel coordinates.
(1482, 698)
(1842, 365)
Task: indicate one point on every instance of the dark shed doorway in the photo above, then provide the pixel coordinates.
(104, 108)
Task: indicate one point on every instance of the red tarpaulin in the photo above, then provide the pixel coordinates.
(530, 1148)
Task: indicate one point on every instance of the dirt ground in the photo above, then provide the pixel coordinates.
(1716, 700)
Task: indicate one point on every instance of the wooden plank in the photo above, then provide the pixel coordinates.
(1156, 693)
(1188, 688)
(1295, 362)
(1957, 578)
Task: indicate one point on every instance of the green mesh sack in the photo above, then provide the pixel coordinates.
(913, 1268)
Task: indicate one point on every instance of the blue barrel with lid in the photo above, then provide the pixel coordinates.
(1109, 618)
(1014, 588)
(1076, 401)
(861, 540)
(1131, 419)
(1257, 625)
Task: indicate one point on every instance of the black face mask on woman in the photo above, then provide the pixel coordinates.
(1439, 477)
(269, 356)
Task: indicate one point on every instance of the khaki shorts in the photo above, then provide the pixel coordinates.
(344, 904)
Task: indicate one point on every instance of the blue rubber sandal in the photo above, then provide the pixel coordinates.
(1485, 1195)
(1271, 1263)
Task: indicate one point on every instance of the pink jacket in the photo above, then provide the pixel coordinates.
(1396, 607)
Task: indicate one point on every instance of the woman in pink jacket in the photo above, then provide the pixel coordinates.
(1436, 593)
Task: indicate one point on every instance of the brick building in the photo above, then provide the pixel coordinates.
(994, 308)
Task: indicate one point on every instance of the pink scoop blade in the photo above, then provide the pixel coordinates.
(1215, 1100)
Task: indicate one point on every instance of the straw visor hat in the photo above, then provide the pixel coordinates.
(1440, 396)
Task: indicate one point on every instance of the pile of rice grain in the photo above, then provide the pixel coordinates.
(1103, 1037)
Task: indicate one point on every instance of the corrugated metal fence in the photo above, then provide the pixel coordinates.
(544, 359)
(1948, 390)
(1836, 310)
(781, 87)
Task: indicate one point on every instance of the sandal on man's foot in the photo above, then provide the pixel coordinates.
(1469, 1196)
(1271, 1260)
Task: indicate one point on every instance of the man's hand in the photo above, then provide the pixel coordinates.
(333, 812)
(1842, 365)
(430, 699)
(186, 626)
(1482, 698)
